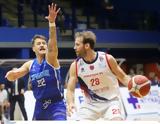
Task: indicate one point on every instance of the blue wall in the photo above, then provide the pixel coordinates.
(124, 36)
(103, 36)
(20, 34)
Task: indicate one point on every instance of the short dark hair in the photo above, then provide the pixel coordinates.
(37, 36)
(88, 37)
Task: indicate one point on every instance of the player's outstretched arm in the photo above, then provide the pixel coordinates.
(71, 89)
(52, 54)
(12, 75)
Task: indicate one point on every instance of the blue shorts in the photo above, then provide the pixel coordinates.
(48, 110)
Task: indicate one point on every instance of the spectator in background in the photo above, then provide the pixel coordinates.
(154, 79)
(4, 103)
(157, 80)
(60, 22)
(16, 94)
(29, 84)
(131, 72)
(151, 77)
(67, 21)
(108, 4)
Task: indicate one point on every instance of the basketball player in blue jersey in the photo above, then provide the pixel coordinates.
(98, 74)
(44, 72)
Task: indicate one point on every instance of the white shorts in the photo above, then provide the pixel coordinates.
(106, 110)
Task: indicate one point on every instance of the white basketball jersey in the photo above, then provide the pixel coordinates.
(97, 79)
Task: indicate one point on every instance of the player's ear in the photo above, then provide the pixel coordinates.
(33, 48)
(87, 45)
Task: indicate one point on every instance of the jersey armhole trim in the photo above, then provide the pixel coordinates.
(108, 63)
(76, 68)
(31, 64)
(56, 68)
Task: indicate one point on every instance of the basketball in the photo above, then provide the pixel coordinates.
(139, 86)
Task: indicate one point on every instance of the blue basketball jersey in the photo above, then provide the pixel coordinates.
(46, 81)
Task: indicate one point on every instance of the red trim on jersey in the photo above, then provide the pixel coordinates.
(111, 68)
(108, 62)
(76, 68)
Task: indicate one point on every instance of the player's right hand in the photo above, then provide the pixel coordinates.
(53, 11)
(71, 109)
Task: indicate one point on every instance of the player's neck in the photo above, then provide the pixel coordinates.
(40, 59)
(90, 56)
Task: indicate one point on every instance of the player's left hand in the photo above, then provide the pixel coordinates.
(10, 76)
(71, 109)
(53, 11)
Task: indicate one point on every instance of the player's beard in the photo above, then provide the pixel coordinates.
(81, 54)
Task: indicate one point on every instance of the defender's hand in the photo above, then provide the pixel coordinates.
(10, 75)
(53, 11)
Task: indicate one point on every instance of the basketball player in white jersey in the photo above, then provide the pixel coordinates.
(98, 74)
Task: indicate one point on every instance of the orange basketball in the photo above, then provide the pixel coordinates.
(139, 86)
